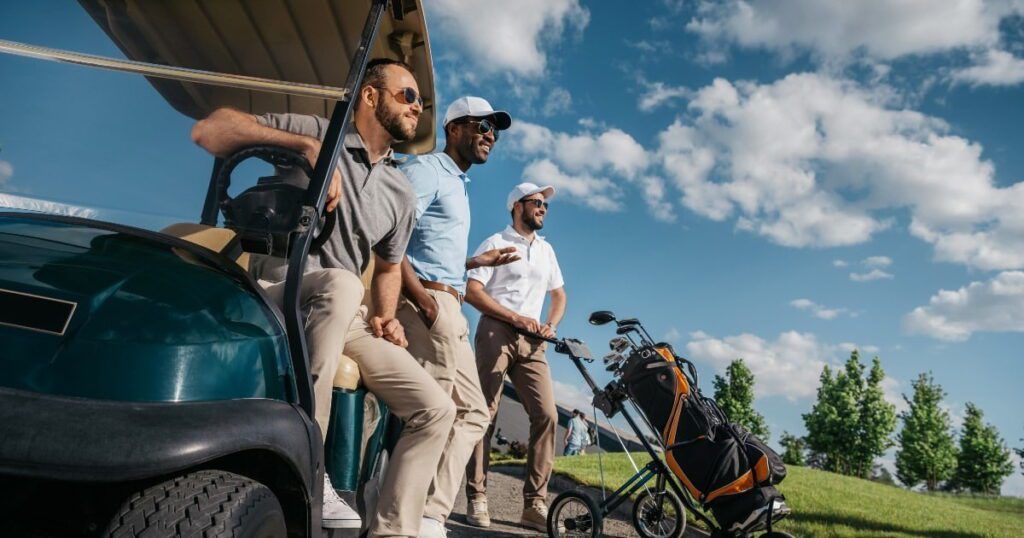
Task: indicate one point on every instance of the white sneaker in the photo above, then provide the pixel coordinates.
(476, 512)
(337, 514)
(432, 528)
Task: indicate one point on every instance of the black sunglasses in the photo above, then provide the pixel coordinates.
(483, 126)
(409, 95)
(537, 202)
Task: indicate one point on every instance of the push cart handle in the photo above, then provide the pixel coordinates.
(524, 332)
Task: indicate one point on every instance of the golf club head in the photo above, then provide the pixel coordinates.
(627, 321)
(625, 329)
(601, 317)
(618, 344)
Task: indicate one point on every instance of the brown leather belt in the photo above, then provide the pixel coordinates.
(442, 287)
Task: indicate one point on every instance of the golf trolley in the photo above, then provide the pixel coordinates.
(659, 509)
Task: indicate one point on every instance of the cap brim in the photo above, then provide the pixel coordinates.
(548, 192)
(502, 120)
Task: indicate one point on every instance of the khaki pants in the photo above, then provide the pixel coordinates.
(500, 351)
(389, 372)
(444, 351)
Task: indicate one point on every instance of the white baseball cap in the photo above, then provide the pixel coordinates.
(476, 107)
(523, 190)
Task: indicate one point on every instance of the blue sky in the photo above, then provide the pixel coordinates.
(780, 181)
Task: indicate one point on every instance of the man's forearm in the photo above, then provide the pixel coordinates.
(412, 287)
(488, 306)
(557, 308)
(387, 283)
(227, 130)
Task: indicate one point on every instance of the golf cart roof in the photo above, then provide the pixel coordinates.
(307, 44)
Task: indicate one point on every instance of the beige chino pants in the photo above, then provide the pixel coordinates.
(444, 351)
(500, 351)
(336, 322)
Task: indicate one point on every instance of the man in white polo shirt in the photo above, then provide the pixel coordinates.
(511, 297)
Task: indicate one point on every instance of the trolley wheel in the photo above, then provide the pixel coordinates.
(575, 514)
(659, 515)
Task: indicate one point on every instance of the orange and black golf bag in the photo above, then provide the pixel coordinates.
(723, 466)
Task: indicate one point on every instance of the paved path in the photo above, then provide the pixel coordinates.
(504, 496)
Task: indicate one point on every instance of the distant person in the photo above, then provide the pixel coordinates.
(434, 284)
(376, 206)
(576, 435)
(511, 298)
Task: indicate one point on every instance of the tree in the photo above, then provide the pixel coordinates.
(735, 395)
(851, 423)
(984, 460)
(876, 423)
(793, 449)
(927, 450)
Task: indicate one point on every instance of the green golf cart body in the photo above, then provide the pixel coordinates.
(138, 365)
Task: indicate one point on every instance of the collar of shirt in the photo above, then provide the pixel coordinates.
(449, 166)
(355, 145)
(511, 234)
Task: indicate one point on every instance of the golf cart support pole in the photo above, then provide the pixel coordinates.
(315, 197)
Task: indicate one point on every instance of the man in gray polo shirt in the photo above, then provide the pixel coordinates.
(376, 207)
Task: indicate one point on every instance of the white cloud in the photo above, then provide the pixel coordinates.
(874, 274)
(877, 261)
(996, 305)
(1014, 484)
(992, 67)
(839, 263)
(500, 37)
(572, 396)
(672, 335)
(840, 30)
(590, 167)
(817, 310)
(811, 160)
(559, 100)
(658, 93)
(788, 366)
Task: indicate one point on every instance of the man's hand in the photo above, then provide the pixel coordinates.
(493, 258)
(430, 312)
(526, 324)
(390, 329)
(547, 330)
(312, 152)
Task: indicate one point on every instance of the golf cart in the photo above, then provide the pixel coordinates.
(148, 386)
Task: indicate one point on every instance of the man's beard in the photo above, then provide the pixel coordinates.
(534, 224)
(392, 123)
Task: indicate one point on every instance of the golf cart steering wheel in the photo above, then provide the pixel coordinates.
(265, 215)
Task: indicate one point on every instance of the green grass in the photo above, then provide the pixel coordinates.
(827, 504)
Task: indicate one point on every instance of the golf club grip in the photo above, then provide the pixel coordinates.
(537, 336)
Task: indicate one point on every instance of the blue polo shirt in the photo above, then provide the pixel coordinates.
(440, 240)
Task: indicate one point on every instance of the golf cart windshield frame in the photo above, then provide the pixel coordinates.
(316, 196)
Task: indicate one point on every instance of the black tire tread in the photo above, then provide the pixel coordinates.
(200, 505)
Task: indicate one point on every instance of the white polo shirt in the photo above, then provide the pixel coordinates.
(521, 285)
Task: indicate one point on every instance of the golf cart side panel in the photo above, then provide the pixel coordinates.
(148, 320)
(304, 42)
(79, 439)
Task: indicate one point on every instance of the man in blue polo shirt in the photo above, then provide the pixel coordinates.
(434, 281)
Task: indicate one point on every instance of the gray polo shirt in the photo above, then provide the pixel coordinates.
(377, 205)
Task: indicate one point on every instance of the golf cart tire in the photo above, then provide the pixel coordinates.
(564, 499)
(679, 523)
(201, 504)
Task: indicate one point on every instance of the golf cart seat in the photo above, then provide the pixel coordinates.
(220, 240)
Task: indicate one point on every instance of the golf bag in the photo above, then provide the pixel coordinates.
(722, 465)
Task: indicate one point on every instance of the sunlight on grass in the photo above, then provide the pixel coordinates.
(827, 504)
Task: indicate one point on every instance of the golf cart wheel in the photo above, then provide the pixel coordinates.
(659, 515)
(575, 514)
(204, 503)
